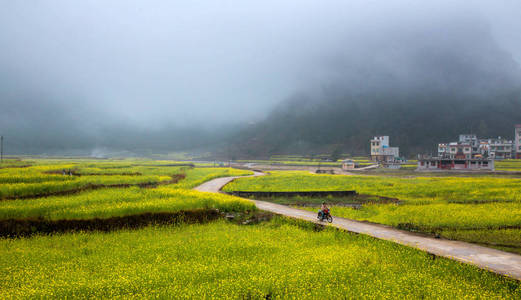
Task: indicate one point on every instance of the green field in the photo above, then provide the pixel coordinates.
(295, 160)
(129, 198)
(47, 179)
(106, 203)
(277, 258)
(220, 260)
(508, 165)
(485, 210)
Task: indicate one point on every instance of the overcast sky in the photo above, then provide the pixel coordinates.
(157, 62)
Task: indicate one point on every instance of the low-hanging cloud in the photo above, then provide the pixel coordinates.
(87, 74)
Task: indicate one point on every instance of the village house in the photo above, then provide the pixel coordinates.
(451, 150)
(447, 163)
(471, 153)
(348, 164)
(455, 156)
(517, 141)
(500, 148)
(496, 148)
(381, 152)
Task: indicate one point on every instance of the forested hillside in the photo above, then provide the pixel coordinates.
(421, 87)
(415, 123)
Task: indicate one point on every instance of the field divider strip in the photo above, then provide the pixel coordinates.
(15, 228)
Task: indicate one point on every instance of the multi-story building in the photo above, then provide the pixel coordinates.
(469, 146)
(377, 144)
(459, 150)
(517, 141)
(500, 148)
(471, 153)
(461, 155)
(455, 150)
(470, 139)
(380, 150)
(443, 149)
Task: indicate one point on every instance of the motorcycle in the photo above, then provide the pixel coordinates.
(325, 215)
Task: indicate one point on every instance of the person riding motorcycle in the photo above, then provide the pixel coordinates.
(324, 210)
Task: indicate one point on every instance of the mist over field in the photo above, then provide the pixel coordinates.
(255, 78)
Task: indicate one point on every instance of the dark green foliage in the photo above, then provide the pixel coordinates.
(415, 123)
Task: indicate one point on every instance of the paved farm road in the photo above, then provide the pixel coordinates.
(486, 258)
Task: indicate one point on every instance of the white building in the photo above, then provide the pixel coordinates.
(348, 164)
(380, 150)
(469, 146)
(463, 164)
(500, 148)
(517, 141)
(443, 149)
(470, 139)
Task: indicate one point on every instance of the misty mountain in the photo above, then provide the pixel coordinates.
(415, 123)
(432, 86)
(255, 78)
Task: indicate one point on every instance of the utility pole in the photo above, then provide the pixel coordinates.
(1, 148)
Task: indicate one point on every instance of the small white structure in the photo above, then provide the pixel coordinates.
(380, 150)
(348, 164)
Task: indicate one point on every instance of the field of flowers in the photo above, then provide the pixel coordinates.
(106, 203)
(22, 189)
(475, 209)
(303, 163)
(48, 177)
(417, 190)
(197, 176)
(508, 165)
(45, 177)
(293, 162)
(14, 163)
(279, 259)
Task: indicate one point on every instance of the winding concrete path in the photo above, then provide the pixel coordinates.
(497, 261)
